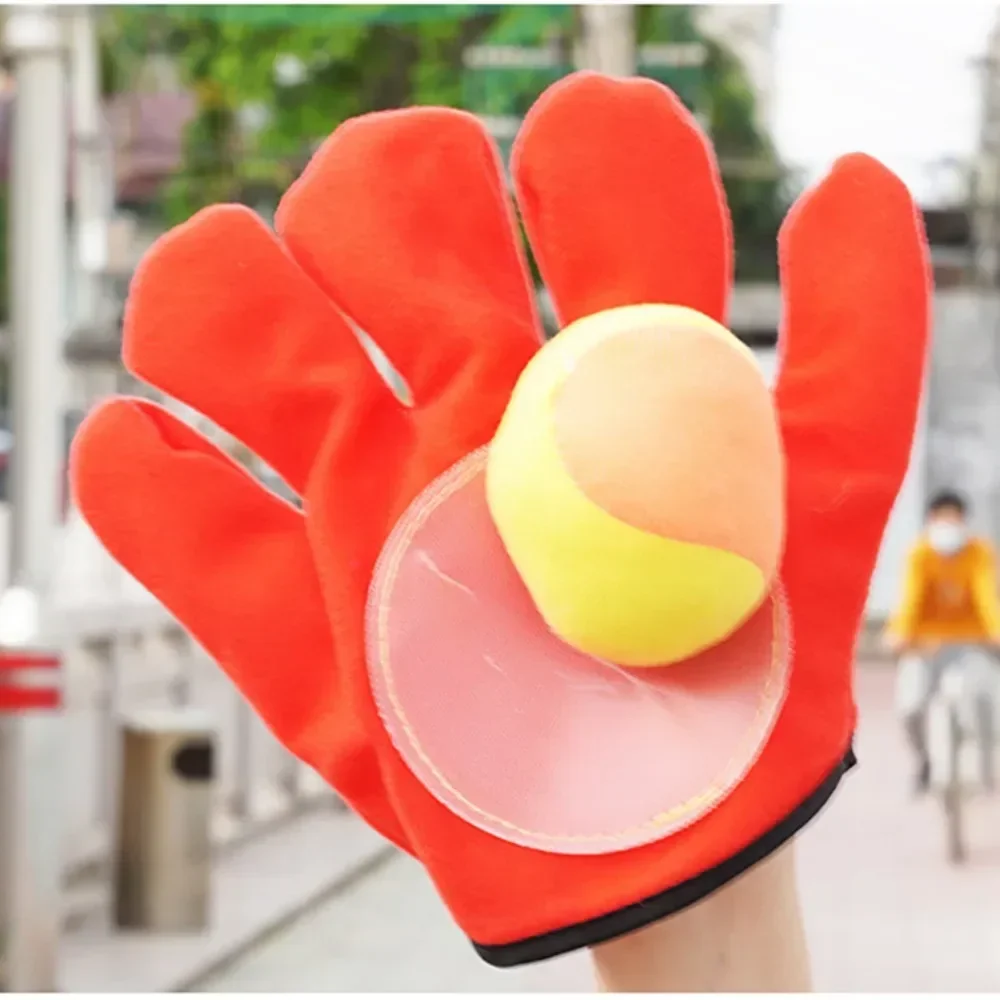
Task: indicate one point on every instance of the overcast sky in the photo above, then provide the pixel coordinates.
(891, 79)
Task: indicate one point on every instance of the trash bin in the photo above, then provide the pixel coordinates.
(162, 863)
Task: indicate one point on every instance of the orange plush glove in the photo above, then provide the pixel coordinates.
(400, 635)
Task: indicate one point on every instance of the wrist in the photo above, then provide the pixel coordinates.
(747, 937)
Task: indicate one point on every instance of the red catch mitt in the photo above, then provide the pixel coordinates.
(396, 634)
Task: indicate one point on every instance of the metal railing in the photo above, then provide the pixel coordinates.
(123, 651)
(140, 658)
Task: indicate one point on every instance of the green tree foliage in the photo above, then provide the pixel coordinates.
(758, 187)
(269, 87)
(273, 81)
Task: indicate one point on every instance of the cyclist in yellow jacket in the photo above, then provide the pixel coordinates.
(949, 603)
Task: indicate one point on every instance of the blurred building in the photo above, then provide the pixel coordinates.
(144, 132)
(985, 180)
(964, 383)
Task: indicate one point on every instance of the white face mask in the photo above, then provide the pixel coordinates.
(946, 537)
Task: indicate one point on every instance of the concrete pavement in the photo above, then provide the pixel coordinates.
(388, 932)
(257, 886)
(884, 910)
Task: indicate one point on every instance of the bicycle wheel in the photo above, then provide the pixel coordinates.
(951, 789)
(986, 739)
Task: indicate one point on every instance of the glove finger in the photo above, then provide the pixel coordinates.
(221, 318)
(855, 281)
(231, 561)
(622, 199)
(403, 218)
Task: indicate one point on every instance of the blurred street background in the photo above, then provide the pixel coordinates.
(117, 123)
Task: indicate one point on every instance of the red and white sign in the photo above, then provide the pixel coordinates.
(29, 681)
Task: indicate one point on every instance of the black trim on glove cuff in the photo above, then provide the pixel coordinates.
(670, 901)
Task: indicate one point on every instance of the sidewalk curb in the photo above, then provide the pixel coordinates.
(284, 919)
(259, 888)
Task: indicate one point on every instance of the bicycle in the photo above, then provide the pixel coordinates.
(961, 714)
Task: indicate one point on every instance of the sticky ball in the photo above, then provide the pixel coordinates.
(636, 481)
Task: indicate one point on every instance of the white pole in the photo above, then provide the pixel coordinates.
(608, 43)
(30, 779)
(38, 286)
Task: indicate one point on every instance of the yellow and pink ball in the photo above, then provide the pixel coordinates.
(637, 483)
